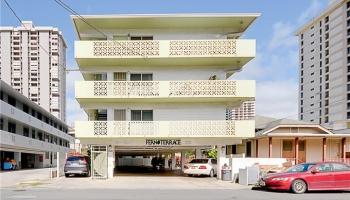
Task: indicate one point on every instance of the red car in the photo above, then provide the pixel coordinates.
(310, 176)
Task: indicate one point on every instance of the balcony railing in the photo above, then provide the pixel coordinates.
(202, 128)
(164, 89)
(165, 48)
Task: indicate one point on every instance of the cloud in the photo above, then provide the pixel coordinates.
(275, 68)
(277, 99)
(311, 11)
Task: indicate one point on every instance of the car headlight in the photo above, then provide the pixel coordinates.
(280, 179)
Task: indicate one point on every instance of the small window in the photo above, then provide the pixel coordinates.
(287, 145)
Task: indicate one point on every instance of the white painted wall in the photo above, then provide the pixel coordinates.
(314, 150)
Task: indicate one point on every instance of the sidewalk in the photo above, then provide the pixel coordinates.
(12, 178)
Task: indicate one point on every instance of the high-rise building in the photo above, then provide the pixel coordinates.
(32, 61)
(157, 85)
(324, 70)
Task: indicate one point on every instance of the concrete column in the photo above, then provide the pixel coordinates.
(58, 164)
(198, 153)
(110, 76)
(343, 149)
(324, 149)
(183, 158)
(221, 158)
(270, 147)
(173, 161)
(17, 157)
(166, 160)
(111, 163)
(257, 148)
(296, 150)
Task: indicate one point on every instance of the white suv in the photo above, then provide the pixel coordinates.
(205, 166)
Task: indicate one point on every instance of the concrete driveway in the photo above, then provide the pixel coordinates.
(150, 188)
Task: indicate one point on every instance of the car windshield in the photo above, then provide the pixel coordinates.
(75, 158)
(301, 167)
(199, 161)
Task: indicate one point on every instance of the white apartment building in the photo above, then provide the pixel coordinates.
(32, 61)
(158, 85)
(324, 74)
(30, 134)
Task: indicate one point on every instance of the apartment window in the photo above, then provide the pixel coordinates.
(301, 117)
(348, 106)
(25, 132)
(11, 127)
(312, 35)
(248, 149)
(301, 95)
(25, 108)
(1, 124)
(302, 50)
(348, 115)
(39, 116)
(327, 27)
(33, 112)
(301, 109)
(348, 22)
(101, 115)
(141, 115)
(348, 78)
(301, 73)
(302, 36)
(40, 136)
(301, 80)
(33, 133)
(120, 115)
(11, 100)
(326, 119)
(100, 77)
(119, 76)
(301, 102)
(141, 38)
(141, 77)
(348, 87)
(313, 73)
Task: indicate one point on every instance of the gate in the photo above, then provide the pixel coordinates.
(99, 161)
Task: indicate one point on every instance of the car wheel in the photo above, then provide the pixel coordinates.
(211, 174)
(190, 175)
(66, 175)
(299, 186)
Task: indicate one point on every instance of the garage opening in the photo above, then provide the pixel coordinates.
(152, 161)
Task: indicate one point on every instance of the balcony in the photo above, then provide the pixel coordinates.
(164, 91)
(213, 53)
(11, 140)
(156, 129)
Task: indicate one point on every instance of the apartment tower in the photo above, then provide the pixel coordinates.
(324, 70)
(32, 61)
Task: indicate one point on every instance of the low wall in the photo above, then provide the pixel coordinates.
(241, 163)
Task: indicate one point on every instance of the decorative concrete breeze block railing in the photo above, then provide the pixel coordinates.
(164, 88)
(201, 128)
(166, 48)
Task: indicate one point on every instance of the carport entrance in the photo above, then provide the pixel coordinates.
(152, 161)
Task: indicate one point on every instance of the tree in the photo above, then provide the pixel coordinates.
(212, 153)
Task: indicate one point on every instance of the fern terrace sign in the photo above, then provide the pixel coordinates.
(163, 142)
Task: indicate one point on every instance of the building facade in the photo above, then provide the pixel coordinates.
(29, 134)
(158, 84)
(324, 71)
(32, 61)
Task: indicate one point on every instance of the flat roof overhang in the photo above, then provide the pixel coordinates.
(229, 63)
(232, 101)
(231, 22)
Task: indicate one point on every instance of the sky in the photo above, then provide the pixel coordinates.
(275, 67)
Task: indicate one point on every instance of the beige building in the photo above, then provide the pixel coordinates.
(297, 141)
(324, 75)
(32, 61)
(157, 85)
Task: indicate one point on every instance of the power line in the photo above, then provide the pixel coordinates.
(69, 9)
(20, 21)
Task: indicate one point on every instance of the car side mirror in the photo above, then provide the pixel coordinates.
(315, 171)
